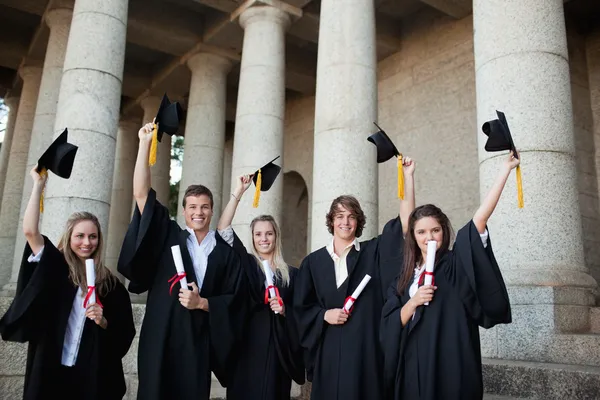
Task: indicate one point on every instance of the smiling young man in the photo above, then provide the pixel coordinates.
(344, 357)
(186, 333)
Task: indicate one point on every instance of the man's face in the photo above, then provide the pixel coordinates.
(344, 224)
(198, 212)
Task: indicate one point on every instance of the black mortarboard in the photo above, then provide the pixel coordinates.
(58, 158)
(166, 121)
(499, 139)
(264, 178)
(386, 150)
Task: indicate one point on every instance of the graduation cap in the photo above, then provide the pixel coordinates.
(58, 158)
(166, 121)
(499, 139)
(386, 150)
(264, 178)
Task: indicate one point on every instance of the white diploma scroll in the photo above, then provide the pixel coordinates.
(350, 300)
(430, 263)
(176, 251)
(269, 283)
(90, 276)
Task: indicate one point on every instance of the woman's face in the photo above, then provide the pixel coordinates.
(84, 239)
(264, 238)
(426, 229)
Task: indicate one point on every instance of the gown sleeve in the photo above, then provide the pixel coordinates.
(309, 313)
(390, 337)
(144, 243)
(390, 252)
(31, 307)
(120, 329)
(476, 275)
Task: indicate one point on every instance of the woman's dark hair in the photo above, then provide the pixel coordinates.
(412, 252)
(351, 204)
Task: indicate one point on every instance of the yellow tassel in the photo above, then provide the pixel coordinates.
(400, 178)
(519, 187)
(257, 191)
(43, 174)
(153, 146)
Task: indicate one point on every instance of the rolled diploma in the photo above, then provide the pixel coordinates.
(430, 262)
(179, 265)
(90, 276)
(357, 293)
(269, 276)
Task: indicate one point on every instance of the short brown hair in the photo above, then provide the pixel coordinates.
(198, 190)
(351, 204)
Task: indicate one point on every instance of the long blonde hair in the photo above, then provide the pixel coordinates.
(105, 280)
(281, 267)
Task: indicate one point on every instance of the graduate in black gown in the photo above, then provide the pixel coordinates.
(432, 352)
(186, 333)
(344, 357)
(269, 356)
(75, 346)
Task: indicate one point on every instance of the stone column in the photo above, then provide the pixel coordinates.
(205, 128)
(13, 106)
(122, 189)
(522, 69)
(346, 107)
(260, 109)
(59, 22)
(88, 104)
(15, 171)
(161, 171)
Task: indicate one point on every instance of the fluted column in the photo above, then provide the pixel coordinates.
(13, 105)
(88, 105)
(205, 128)
(346, 106)
(59, 22)
(260, 109)
(15, 172)
(160, 172)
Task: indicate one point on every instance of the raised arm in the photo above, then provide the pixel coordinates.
(408, 204)
(243, 183)
(31, 219)
(485, 210)
(141, 174)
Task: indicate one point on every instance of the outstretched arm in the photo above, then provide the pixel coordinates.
(243, 183)
(408, 204)
(141, 174)
(485, 210)
(31, 219)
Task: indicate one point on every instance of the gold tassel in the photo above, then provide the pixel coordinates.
(400, 178)
(257, 191)
(519, 187)
(153, 146)
(43, 174)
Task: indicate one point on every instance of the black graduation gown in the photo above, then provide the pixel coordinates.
(269, 355)
(39, 315)
(344, 362)
(437, 355)
(176, 351)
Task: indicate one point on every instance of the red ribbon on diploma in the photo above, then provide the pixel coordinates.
(422, 278)
(176, 278)
(346, 301)
(276, 294)
(91, 290)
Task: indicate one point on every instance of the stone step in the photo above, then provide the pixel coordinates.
(544, 381)
(595, 320)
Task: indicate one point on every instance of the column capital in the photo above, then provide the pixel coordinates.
(208, 59)
(150, 102)
(261, 12)
(59, 17)
(30, 71)
(130, 123)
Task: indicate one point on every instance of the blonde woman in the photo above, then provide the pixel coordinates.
(75, 345)
(269, 356)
